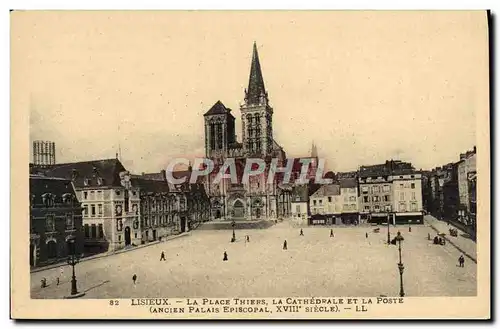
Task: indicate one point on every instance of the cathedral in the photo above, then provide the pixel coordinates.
(255, 199)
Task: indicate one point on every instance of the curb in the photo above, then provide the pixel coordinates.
(52, 266)
(454, 245)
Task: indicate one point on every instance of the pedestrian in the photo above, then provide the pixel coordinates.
(366, 235)
(301, 232)
(43, 282)
(409, 229)
(162, 257)
(331, 233)
(61, 274)
(134, 278)
(248, 238)
(225, 256)
(285, 247)
(57, 281)
(461, 261)
(428, 236)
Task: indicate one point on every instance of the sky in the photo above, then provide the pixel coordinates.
(364, 86)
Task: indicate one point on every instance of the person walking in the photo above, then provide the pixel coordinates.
(301, 232)
(285, 247)
(331, 233)
(162, 257)
(225, 257)
(366, 235)
(61, 274)
(428, 236)
(134, 279)
(461, 261)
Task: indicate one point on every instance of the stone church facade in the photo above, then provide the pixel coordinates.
(255, 199)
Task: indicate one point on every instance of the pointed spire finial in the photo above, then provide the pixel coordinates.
(256, 86)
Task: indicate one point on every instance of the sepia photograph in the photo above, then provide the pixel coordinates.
(250, 164)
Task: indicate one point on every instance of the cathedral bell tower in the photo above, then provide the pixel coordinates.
(219, 131)
(256, 114)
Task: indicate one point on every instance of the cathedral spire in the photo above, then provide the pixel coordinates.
(256, 87)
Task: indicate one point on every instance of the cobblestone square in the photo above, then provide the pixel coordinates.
(349, 264)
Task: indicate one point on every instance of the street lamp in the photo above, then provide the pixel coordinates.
(388, 228)
(399, 238)
(233, 239)
(72, 260)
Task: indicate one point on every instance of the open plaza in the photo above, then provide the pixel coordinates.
(314, 265)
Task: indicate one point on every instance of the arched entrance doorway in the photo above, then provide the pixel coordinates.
(51, 249)
(239, 209)
(127, 236)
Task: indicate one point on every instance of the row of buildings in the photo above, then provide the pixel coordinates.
(373, 194)
(101, 207)
(450, 190)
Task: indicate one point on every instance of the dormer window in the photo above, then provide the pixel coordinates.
(99, 181)
(86, 182)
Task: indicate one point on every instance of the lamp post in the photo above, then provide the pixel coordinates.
(233, 239)
(72, 260)
(388, 228)
(399, 239)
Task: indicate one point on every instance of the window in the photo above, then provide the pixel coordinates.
(117, 192)
(85, 210)
(50, 223)
(387, 198)
(99, 209)
(367, 208)
(377, 207)
(375, 189)
(402, 207)
(93, 231)
(126, 201)
(413, 206)
(70, 224)
(364, 189)
(401, 186)
(101, 231)
(352, 198)
(412, 185)
(375, 199)
(119, 238)
(314, 202)
(402, 196)
(99, 181)
(85, 194)
(320, 202)
(386, 188)
(86, 231)
(329, 199)
(297, 209)
(135, 234)
(92, 211)
(413, 196)
(365, 199)
(86, 182)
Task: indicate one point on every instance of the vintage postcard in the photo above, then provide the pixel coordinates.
(250, 165)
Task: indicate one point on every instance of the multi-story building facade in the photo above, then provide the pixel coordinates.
(407, 196)
(110, 203)
(326, 201)
(299, 208)
(377, 202)
(466, 165)
(350, 201)
(55, 220)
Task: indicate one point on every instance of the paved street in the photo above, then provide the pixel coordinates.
(314, 265)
